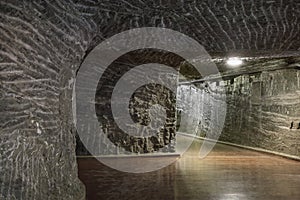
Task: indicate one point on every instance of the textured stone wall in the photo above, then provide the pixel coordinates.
(42, 44)
(201, 109)
(260, 108)
(141, 101)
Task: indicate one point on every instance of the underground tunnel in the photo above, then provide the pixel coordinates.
(225, 82)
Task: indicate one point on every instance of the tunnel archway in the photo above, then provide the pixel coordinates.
(43, 44)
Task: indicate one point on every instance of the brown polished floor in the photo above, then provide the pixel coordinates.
(228, 173)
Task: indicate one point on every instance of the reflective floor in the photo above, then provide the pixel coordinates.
(226, 173)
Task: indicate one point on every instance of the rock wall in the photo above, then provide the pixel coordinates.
(41, 48)
(260, 109)
(201, 109)
(139, 107)
(42, 44)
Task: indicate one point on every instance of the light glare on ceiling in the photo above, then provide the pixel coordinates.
(234, 61)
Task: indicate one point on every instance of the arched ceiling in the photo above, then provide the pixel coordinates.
(220, 26)
(248, 28)
(43, 42)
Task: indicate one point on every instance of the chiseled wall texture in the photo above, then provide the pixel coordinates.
(42, 44)
(140, 103)
(41, 47)
(260, 113)
(260, 109)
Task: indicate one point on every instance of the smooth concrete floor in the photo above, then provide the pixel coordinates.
(227, 173)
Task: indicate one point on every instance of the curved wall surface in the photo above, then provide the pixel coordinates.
(43, 43)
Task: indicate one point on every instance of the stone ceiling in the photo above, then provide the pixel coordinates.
(232, 26)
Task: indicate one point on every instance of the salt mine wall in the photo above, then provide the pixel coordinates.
(260, 108)
(43, 43)
(139, 107)
(41, 48)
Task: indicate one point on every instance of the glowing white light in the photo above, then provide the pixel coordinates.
(234, 61)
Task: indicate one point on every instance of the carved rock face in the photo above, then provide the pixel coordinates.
(260, 106)
(42, 46)
(140, 103)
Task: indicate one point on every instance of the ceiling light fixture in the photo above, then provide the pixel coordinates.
(234, 61)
